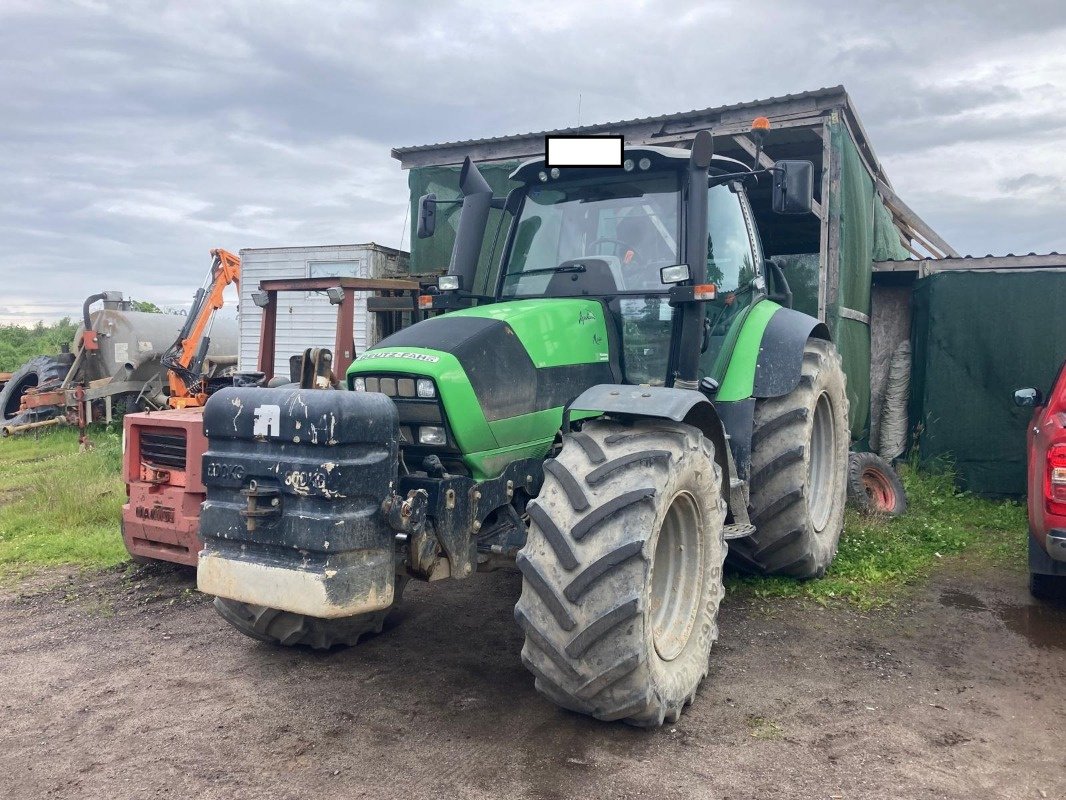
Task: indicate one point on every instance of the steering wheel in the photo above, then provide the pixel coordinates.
(622, 246)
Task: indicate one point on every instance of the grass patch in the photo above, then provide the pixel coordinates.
(764, 729)
(877, 558)
(59, 505)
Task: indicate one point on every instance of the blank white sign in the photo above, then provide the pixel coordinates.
(583, 151)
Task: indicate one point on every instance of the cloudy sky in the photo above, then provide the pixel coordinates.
(136, 136)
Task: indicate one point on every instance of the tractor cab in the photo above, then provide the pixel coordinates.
(617, 235)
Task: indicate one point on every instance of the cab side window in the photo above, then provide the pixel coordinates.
(730, 261)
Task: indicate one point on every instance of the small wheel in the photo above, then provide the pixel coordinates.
(874, 488)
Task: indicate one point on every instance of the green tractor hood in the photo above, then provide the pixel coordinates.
(503, 373)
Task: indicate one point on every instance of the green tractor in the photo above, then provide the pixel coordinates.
(634, 404)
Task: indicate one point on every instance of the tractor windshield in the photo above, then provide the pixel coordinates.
(606, 236)
(596, 236)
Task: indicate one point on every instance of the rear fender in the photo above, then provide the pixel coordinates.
(768, 357)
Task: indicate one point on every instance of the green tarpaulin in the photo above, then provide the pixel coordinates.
(978, 336)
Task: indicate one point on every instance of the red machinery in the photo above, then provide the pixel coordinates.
(185, 358)
(162, 515)
(162, 450)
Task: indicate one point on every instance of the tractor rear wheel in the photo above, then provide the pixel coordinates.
(622, 571)
(39, 372)
(288, 629)
(799, 472)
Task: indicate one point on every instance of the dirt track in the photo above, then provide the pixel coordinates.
(120, 686)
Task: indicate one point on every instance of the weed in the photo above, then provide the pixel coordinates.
(878, 557)
(764, 729)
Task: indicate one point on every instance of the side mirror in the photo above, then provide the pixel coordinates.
(1028, 398)
(427, 215)
(793, 188)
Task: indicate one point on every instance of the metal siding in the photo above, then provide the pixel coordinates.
(304, 319)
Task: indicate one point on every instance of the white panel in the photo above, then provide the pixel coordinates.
(304, 319)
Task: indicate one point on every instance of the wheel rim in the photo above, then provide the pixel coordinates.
(880, 492)
(820, 464)
(677, 573)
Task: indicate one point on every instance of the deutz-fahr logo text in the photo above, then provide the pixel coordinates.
(408, 356)
(231, 472)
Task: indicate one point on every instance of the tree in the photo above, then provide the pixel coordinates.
(147, 306)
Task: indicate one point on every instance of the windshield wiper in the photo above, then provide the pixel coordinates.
(545, 270)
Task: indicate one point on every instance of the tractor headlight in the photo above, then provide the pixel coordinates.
(425, 389)
(432, 434)
(359, 384)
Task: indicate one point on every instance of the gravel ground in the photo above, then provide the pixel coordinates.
(125, 684)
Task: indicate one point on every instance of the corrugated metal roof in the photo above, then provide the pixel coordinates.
(1052, 254)
(829, 91)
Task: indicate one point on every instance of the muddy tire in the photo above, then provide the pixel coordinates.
(874, 488)
(1047, 587)
(37, 372)
(622, 571)
(799, 467)
(288, 629)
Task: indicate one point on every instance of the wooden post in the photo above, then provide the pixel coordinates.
(344, 352)
(823, 245)
(268, 336)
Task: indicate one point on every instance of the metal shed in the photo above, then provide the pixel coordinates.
(858, 218)
(308, 320)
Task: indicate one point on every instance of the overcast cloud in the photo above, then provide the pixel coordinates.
(134, 137)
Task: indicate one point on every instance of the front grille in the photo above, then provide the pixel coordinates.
(163, 449)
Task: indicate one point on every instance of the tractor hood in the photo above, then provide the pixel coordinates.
(498, 368)
(520, 357)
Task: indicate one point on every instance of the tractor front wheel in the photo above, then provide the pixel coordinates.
(286, 628)
(622, 571)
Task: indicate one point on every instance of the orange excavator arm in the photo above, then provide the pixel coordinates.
(184, 359)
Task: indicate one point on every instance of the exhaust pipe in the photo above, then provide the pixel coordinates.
(477, 196)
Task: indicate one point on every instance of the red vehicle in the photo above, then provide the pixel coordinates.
(1047, 487)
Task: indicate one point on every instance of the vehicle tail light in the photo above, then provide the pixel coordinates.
(1055, 482)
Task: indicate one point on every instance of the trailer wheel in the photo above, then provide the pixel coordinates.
(874, 488)
(799, 467)
(285, 628)
(40, 371)
(622, 571)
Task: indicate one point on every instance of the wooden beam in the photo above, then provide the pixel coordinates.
(906, 246)
(913, 221)
(915, 237)
(823, 236)
(1053, 261)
